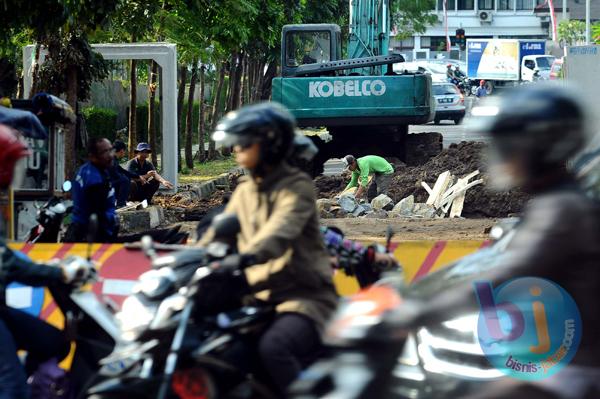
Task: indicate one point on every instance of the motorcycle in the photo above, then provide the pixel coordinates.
(51, 215)
(373, 358)
(185, 331)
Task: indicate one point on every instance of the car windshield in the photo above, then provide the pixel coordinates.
(544, 63)
(443, 90)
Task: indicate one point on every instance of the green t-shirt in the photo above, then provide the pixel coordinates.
(369, 165)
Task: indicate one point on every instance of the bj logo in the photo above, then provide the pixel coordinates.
(518, 333)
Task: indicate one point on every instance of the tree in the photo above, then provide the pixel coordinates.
(571, 32)
(189, 156)
(412, 16)
(201, 153)
(152, 110)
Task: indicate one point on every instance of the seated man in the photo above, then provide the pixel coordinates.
(93, 193)
(146, 186)
(381, 170)
(119, 177)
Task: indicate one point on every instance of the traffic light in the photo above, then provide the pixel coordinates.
(460, 38)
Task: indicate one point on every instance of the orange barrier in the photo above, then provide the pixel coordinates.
(120, 267)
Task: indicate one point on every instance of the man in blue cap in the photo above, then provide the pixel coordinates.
(150, 180)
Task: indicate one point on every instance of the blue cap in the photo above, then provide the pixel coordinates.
(143, 147)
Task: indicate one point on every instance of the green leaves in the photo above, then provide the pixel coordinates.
(571, 32)
(412, 16)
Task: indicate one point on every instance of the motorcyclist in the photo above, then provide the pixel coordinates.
(19, 330)
(450, 74)
(280, 245)
(533, 132)
(458, 73)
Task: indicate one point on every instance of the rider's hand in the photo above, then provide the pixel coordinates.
(77, 270)
(385, 259)
(233, 262)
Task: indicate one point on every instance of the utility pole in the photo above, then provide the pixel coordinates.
(587, 22)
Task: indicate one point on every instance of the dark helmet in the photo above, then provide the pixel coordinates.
(544, 125)
(267, 123)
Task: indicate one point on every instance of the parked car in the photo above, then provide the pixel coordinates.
(556, 69)
(449, 103)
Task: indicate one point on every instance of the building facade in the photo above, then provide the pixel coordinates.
(501, 19)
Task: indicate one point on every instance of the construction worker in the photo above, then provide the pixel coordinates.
(149, 180)
(481, 91)
(121, 178)
(362, 168)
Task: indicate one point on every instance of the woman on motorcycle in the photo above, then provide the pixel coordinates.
(280, 245)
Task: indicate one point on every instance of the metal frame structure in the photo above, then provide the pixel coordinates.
(165, 55)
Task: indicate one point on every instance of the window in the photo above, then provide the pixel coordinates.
(486, 4)
(525, 4)
(444, 90)
(450, 5)
(506, 5)
(544, 63)
(530, 64)
(466, 4)
(307, 48)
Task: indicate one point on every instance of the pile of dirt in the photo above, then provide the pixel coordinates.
(183, 207)
(460, 159)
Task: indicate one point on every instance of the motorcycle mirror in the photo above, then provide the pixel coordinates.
(226, 225)
(92, 231)
(67, 185)
(388, 238)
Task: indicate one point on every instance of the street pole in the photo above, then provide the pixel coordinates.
(587, 22)
(564, 10)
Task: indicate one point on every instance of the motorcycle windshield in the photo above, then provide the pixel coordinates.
(24, 121)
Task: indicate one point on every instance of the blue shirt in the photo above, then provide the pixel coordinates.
(481, 92)
(93, 193)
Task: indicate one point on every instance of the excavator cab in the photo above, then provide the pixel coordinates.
(309, 44)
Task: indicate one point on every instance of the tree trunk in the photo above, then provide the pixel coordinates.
(189, 156)
(267, 81)
(71, 131)
(243, 84)
(237, 84)
(201, 152)
(152, 111)
(180, 97)
(216, 109)
(232, 79)
(132, 138)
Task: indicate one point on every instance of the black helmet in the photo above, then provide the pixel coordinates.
(543, 124)
(267, 123)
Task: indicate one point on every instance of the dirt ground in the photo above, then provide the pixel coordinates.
(413, 229)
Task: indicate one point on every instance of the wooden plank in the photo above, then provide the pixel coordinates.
(426, 187)
(458, 192)
(440, 186)
(458, 203)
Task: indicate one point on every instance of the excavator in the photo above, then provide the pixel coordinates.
(363, 105)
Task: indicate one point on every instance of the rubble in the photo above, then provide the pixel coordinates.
(459, 160)
(381, 214)
(382, 201)
(404, 207)
(348, 203)
(359, 211)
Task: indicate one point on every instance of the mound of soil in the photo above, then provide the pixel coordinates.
(460, 159)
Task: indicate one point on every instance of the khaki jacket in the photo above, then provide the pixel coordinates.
(280, 226)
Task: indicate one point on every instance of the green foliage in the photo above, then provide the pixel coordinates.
(571, 32)
(100, 122)
(207, 170)
(412, 16)
(72, 52)
(596, 33)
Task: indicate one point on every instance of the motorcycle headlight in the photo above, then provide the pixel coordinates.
(133, 316)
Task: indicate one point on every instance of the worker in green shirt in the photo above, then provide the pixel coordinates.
(365, 166)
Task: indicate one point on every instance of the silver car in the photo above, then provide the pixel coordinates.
(449, 103)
